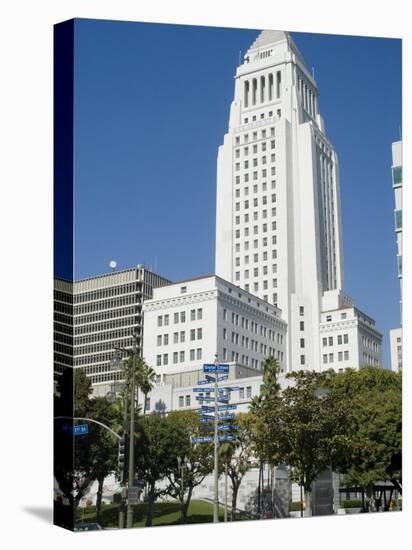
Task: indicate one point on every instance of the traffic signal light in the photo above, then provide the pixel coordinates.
(123, 457)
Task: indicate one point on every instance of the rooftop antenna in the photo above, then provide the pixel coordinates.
(313, 73)
(400, 133)
(113, 265)
(240, 56)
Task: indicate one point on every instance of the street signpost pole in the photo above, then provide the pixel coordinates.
(216, 473)
(225, 491)
(129, 516)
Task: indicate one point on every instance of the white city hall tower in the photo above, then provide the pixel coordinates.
(278, 220)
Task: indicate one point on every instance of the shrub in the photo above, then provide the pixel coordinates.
(355, 503)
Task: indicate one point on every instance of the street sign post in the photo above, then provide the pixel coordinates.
(226, 407)
(80, 429)
(227, 437)
(204, 398)
(204, 439)
(216, 368)
(133, 495)
(221, 395)
(229, 416)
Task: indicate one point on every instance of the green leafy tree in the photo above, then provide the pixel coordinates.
(184, 425)
(302, 427)
(153, 456)
(373, 453)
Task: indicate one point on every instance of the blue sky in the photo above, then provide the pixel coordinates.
(151, 108)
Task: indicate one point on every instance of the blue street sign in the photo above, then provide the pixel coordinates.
(204, 439)
(221, 378)
(80, 429)
(205, 408)
(202, 389)
(224, 427)
(227, 407)
(211, 367)
(229, 416)
(209, 416)
(227, 437)
(222, 399)
(202, 382)
(206, 420)
(204, 398)
(231, 388)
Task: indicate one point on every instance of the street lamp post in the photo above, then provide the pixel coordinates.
(225, 491)
(134, 352)
(216, 446)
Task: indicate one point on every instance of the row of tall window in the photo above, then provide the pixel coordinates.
(102, 357)
(107, 377)
(102, 336)
(264, 146)
(369, 359)
(308, 97)
(255, 202)
(262, 116)
(339, 356)
(255, 174)
(180, 337)
(255, 188)
(109, 314)
(107, 304)
(264, 134)
(107, 292)
(262, 89)
(180, 317)
(246, 233)
(370, 343)
(255, 258)
(178, 357)
(131, 320)
(263, 213)
(340, 339)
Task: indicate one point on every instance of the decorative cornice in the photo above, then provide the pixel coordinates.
(179, 301)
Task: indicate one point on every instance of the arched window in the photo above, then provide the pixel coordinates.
(246, 93)
(270, 87)
(254, 91)
(278, 83)
(262, 89)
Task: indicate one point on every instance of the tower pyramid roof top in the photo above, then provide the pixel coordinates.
(269, 37)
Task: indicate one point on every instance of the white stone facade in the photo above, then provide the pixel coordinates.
(187, 323)
(278, 219)
(395, 335)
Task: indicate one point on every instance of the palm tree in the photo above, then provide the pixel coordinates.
(146, 381)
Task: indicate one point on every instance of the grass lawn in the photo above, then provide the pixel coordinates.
(165, 513)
